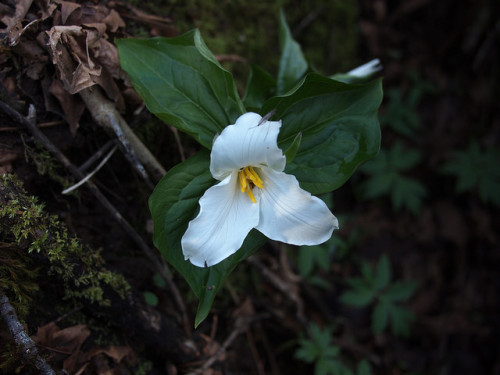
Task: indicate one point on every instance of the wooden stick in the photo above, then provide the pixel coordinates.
(26, 345)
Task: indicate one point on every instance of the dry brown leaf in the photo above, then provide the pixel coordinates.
(13, 22)
(116, 353)
(65, 341)
(67, 8)
(71, 105)
(113, 21)
(74, 49)
(34, 58)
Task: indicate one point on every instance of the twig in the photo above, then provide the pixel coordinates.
(128, 150)
(240, 326)
(23, 341)
(156, 261)
(87, 177)
(105, 114)
(179, 143)
(283, 286)
(107, 146)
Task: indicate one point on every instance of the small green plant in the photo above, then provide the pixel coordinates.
(325, 355)
(401, 110)
(318, 128)
(478, 169)
(312, 260)
(377, 287)
(386, 179)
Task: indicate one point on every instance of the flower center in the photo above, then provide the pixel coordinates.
(248, 179)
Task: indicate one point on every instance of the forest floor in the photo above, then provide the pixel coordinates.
(423, 214)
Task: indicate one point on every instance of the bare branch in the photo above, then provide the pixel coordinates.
(23, 341)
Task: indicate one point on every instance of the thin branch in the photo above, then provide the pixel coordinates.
(287, 288)
(23, 341)
(89, 176)
(240, 326)
(107, 146)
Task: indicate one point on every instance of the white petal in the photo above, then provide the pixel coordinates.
(290, 214)
(366, 70)
(246, 143)
(225, 218)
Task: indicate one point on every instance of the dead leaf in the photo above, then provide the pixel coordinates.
(116, 353)
(33, 56)
(75, 51)
(66, 342)
(13, 22)
(67, 8)
(71, 105)
(113, 21)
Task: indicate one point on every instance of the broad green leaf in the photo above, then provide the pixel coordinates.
(293, 64)
(182, 83)
(294, 147)
(339, 129)
(260, 86)
(382, 273)
(173, 204)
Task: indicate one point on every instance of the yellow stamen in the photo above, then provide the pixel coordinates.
(250, 194)
(243, 181)
(248, 179)
(254, 177)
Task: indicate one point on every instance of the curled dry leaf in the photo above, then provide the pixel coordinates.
(75, 51)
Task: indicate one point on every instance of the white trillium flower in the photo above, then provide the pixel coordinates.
(253, 192)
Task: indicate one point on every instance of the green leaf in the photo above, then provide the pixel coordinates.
(182, 83)
(399, 291)
(408, 193)
(260, 87)
(150, 298)
(339, 126)
(364, 368)
(293, 64)
(358, 298)
(380, 317)
(401, 317)
(173, 204)
(386, 179)
(475, 167)
(382, 274)
(367, 272)
(308, 352)
(294, 147)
